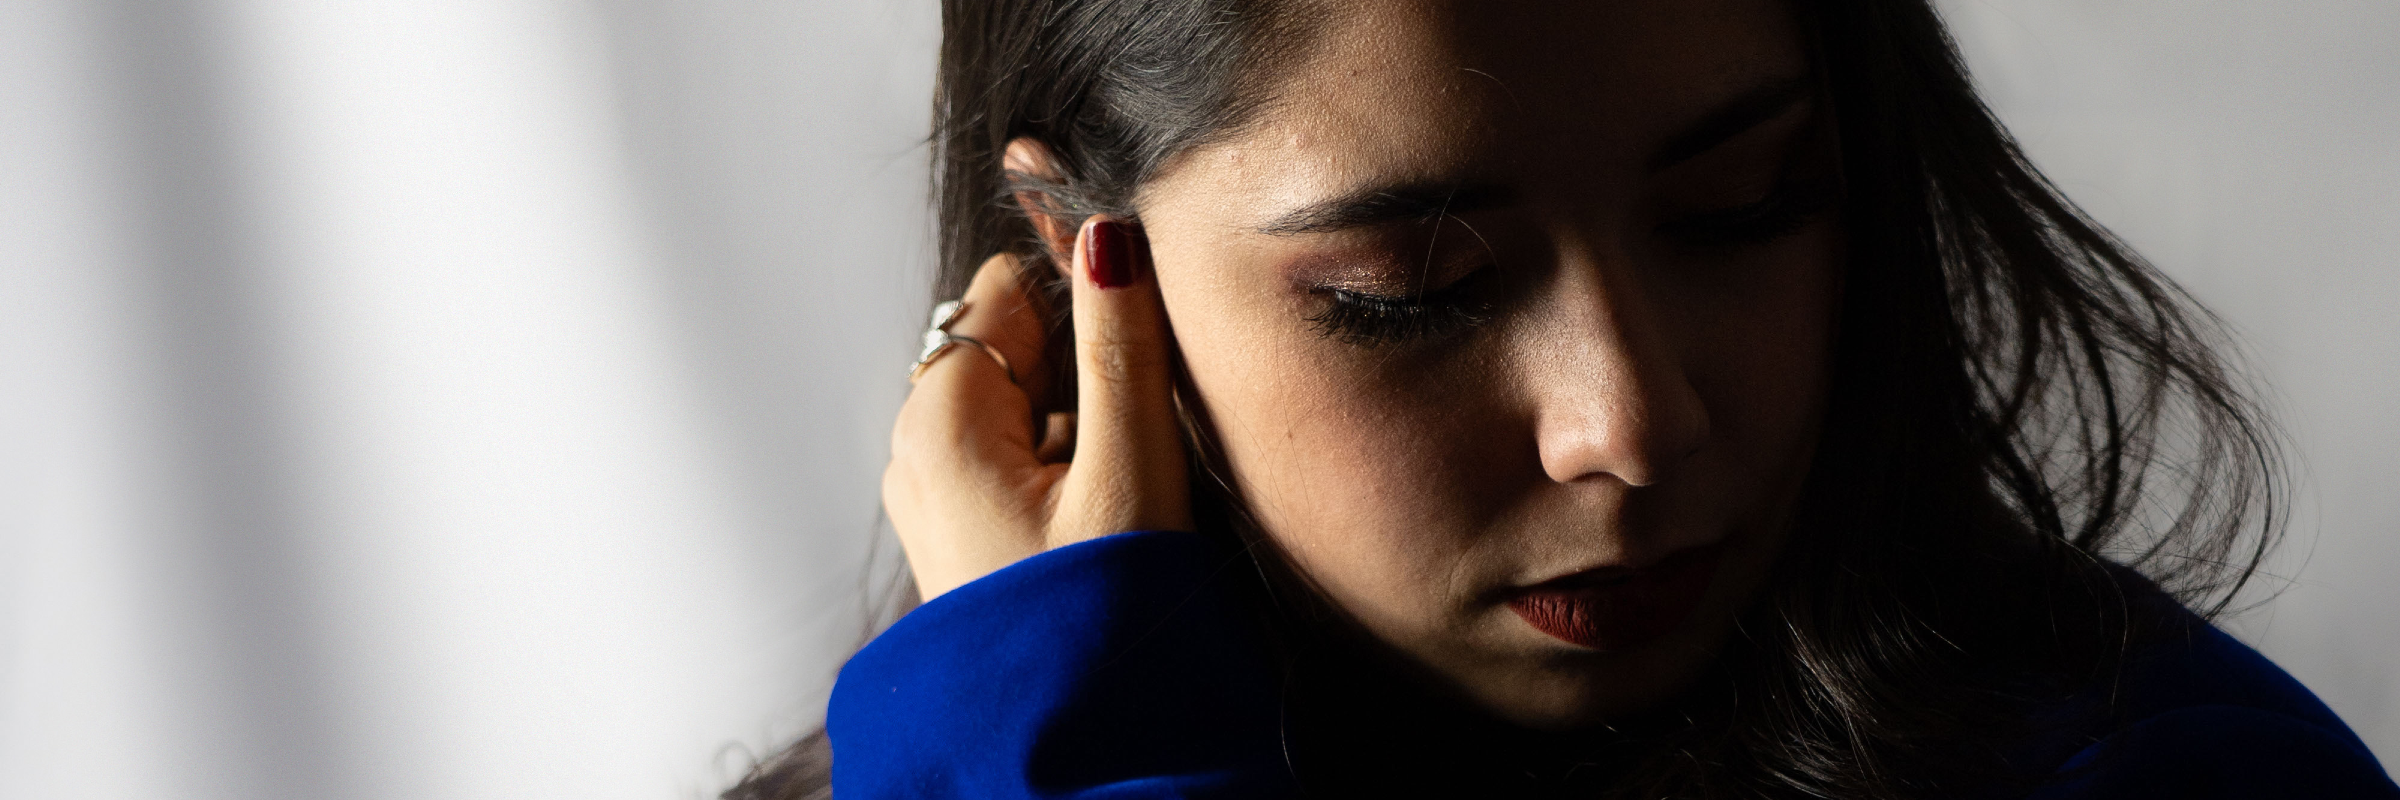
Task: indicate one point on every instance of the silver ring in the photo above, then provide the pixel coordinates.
(939, 340)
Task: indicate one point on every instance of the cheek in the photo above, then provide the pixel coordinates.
(1361, 483)
(1761, 350)
(1767, 343)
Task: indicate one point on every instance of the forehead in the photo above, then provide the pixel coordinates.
(1388, 90)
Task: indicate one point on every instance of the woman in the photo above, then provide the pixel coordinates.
(1656, 398)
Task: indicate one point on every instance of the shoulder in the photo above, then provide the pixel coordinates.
(2198, 714)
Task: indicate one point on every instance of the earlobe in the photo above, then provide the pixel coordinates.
(1031, 158)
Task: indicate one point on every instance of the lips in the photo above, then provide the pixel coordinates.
(1615, 609)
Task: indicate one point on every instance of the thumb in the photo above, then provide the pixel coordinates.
(1128, 470)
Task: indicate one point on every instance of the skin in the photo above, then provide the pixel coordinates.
(1629, 393)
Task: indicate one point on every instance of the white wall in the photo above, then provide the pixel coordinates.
(443, 398)
(456, 399)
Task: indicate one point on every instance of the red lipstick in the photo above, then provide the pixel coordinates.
(1613, 609)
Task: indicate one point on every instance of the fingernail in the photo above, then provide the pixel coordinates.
(1108, 255)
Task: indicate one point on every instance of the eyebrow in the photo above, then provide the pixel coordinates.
(1421, 201)
(1384, 205)
(1736, 117)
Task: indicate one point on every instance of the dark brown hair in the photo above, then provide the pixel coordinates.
(2032, 439)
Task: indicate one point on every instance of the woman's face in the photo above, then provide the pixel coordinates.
(1513, 321)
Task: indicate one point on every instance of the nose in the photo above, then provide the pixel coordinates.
(1612, 396)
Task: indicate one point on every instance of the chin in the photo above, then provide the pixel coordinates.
(1563, 688)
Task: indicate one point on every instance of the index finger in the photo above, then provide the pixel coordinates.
(964, 412)
(999, 312)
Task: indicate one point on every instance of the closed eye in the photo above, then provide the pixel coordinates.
(1784, 211)
(1369, 320)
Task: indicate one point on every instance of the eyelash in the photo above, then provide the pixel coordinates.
(1781, 213)
(1371, 320)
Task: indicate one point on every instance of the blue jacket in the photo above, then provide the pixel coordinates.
(1125, 668)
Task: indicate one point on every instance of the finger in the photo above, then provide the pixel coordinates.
(1129, 467)
(998, 312)
(963, 490)
(964, 412)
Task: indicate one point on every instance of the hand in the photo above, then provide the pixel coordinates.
(967, 490)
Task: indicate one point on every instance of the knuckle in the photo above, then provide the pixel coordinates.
(1114, 358)
(909, 429)
(923, 433)
(896, 485)
(995, 276)
(903, 435)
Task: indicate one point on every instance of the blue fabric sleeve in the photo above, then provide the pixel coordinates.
(1124, 667)
(1133, 667)
(2223, 752)
(2211, 719)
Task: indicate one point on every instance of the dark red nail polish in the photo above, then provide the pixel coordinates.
(1109, 255)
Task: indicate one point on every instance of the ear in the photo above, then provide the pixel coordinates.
(1033, 159)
